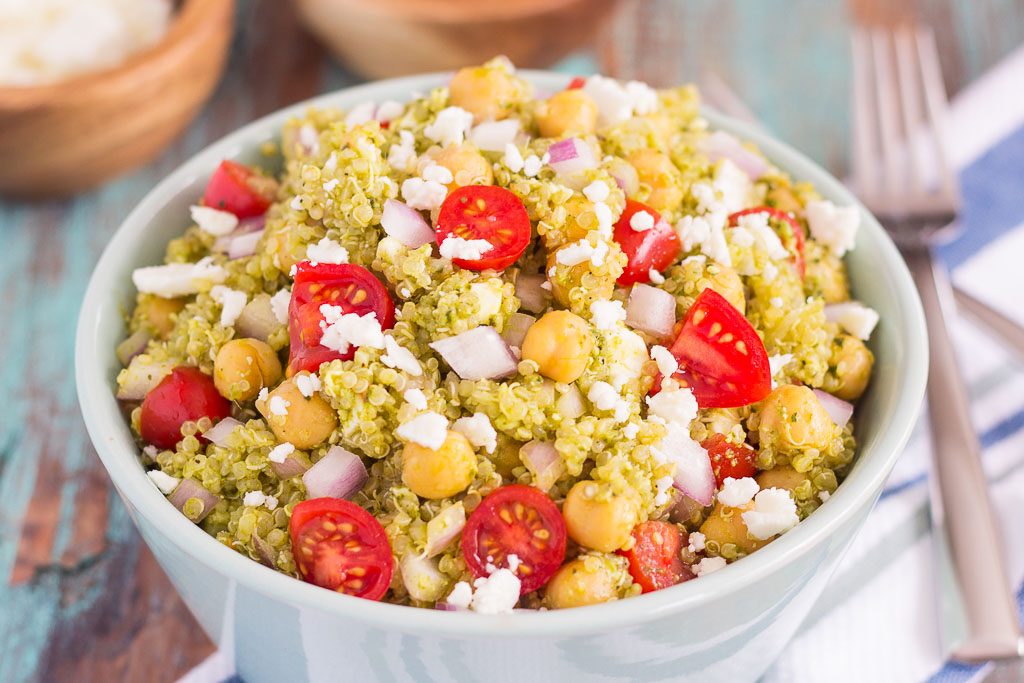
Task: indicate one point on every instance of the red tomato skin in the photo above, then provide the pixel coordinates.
(486, 212)
(576, 83)
(185, 395)
(305, 352)
(654, 559)
(798, 232)
(544, 562)
(656, 248)
(375, 554)
(719, 375)
(230, 189)
(729, 459)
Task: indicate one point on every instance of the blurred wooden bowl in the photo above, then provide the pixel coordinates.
(62, 138)
(383, 38)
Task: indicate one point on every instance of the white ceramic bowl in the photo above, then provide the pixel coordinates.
(728, 626)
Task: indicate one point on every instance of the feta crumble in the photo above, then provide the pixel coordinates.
(655, 277)
(667, 363)
(437, 173)
(165, 482)
(737, 492)
(231, 303)
(631, 430)
(397, 356)
(454, 247)
(581, 251)
(513, 158)
(616, 102)
(402, 156)
(605, 225)
(641, 221)
(757, 225)
(673, 404)
(706, 232)
(605, 315)
(326, 251)
(597, 191)
(663, 485)
(427, 429)
(461, 595)
(416, 398)
(854, 317)
(497, 593)
(214, 221)
(254, 499)
(478, 430)
(532, 164)
(774, 513)
(708, 565)
(450, 126)
(307, 384)
(493, 136)
(696, 542)
(777, 363)
(279, 305)
(835, 227)
(178, 279)
(280, 452)
(605, 397)
(278, 406)
(423, 194)
(345, 330)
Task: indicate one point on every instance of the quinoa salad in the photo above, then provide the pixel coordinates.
(493, 349)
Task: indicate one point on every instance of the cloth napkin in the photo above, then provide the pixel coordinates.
(878, 618)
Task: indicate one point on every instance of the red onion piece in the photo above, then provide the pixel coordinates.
(570, 404)
(422, 579)
(257, 319)
(516, 327)
(541, 458)
(571, 156)
(444, 528)
(684, 508)
(244, 245)
(721, 145)
(246, 227)
(132, 346)
(339, 474)
(219, 432)
(693, 475)
(531, 295)
(406, 224)
(492, 136)
(839, 410)
(651, 310)
(188, 489)
(479, 353)
(142, 375)
(625, 176)
(448, 607)
(294, 465)
(266, 552)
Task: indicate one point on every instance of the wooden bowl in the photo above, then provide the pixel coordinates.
(383, 38)
(62, 138)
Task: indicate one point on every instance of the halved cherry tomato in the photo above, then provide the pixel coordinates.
(654, 559)
(516, 520)
(576, 83)
(185, 395)
(794, 243)
(646, 249)
(721, 358)
(730, 459)
(239, 189)
(352, 287)
(486, 212)
(340, 546)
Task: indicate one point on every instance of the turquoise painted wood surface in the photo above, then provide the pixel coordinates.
(80, 597)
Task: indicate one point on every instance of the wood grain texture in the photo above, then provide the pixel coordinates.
(82, 599)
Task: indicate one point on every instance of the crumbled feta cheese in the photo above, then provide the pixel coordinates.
(708, 565)
(397, 356)
(605, 315)
(461, 595)
(776, 364)
(663, 485)
(493, 136)
(641, 221)
(854, 317)
(513, 562)
(605, 226)
(151, 450)
(597, 191)
(696, 542)
(307, 384)
(271, 502)
(296, 203)
(280, 452)
(332, 162)
(603, 396)
(402, 156)
(497, 593)
(405, 292)
(776, 302)
(437, 173)
(630, 356)
(545, 286)
(214, 221)
(631, 430)
(450, 126)
(416, 398)
(454, 247)
(178, 279)
(581, 251)
(343, 330)
(309, 138)
(733, 185)
(262, 396)
(706, 232)
(513, 158)
(823, 496)
(165, 482)
(532, 164)
(757, 225)
(427, 429)
(833, 226)
(278, 405)
(331, 184)
(617, 102)
(389, 110)
(667, 363)
(673, 404)
(254, 499)
(737, 492)
(279, 305)
(231, 303)
(478, 430)
(774, 513)
(770, 272)
(655, 277)
(423, 194)
(742, 237)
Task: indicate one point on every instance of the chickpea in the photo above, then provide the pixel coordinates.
(597, 518)
(657, 171)
(712, 275)
(782, 198)
(825, 274)
(441, 473)
(560, 343)
(781, 477)
(852, 361)
(506, 456)
(725, 527)
(793, 420)
(243, 367)
(467, 165)
(305, 422)
(570, 112)
(159, 313)
(485, 92)
(584, 581)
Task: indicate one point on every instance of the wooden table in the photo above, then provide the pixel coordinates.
(81, 598)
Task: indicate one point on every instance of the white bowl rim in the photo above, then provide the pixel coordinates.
(106, 428)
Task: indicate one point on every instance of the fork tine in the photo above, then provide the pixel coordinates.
(865, 133)
(910, 89)
(937, 107)
(888, 115)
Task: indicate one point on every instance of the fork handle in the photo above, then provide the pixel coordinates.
(965, 510)
(1003, 328)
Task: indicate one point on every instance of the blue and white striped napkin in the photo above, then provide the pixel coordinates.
(878, 619)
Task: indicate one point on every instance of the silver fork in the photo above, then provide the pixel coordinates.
(902, 174)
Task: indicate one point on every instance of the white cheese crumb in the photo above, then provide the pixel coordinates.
(597, 191)
(696, 542)
(493, 136)
(706, 232)
(776, 364)
(165, 482)
(823, 496)
(423, 194)
(178, 279)
(774, 513)
(757, 225)
(309, 138)
(389, 110)
(416, 398)
(344, 330)
(262, 396)
(605, 226)
(513, 562)
(776, 302)
(532, 164)
(279, 305)
(437, 173)
(278, 406)
(151, 450)
(737, 492)
(271, 502)
(513, 158)
(454, 247)
(617, 102)
(280, 452)
(397, 356)
(461, 595)
(581, 251)
(479, 430)
(641, 221)
(835, 227)
(332, 162)
(605, 315)
(231, 302)
(296, 203)
(402, 156)
(497, 593)
(655, 277)
(360, 114)
(631, 430)
(331, 184)
(676, 405)
(667, 363)
(450, 126)
(214, 221)
(708, 565)
(854, 317)
(326, 251)
(307, 384)
(427, 429)
(254, 499)
(663, 485)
